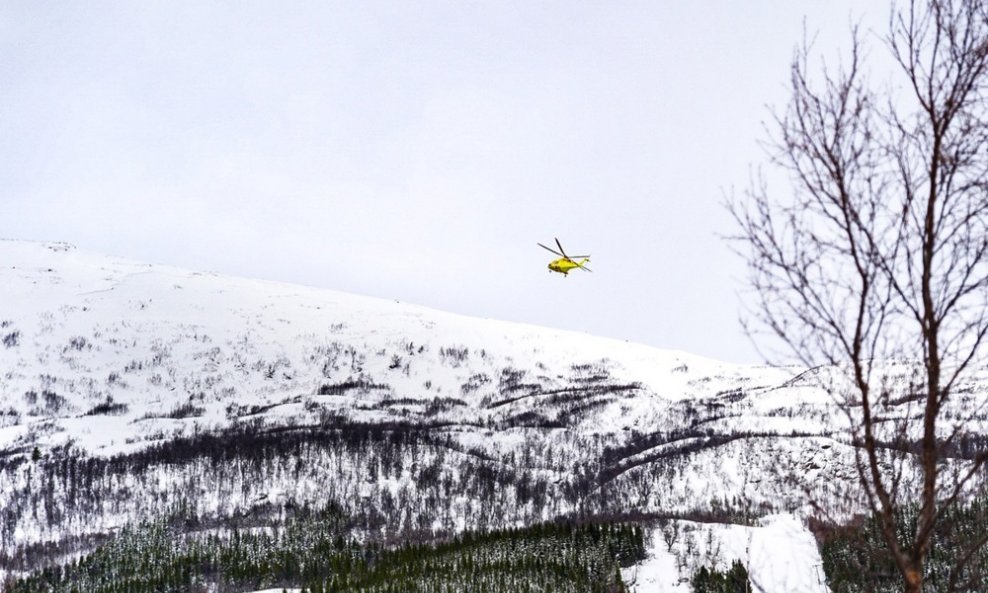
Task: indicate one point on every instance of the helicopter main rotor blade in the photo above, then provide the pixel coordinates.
(560, 245)
(550, 249)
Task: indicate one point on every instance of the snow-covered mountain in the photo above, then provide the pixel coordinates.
(129, 390)
(140, 341)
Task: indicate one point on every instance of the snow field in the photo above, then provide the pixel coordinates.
(780, 555)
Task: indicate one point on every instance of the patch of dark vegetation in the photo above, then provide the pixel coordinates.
(731, 395)
(79, 343)
(454, 355)
(398, 401)
(510, 380)
(599, 378)
(572, 414)
(12, 339)
(430, 406)
(532, 419)
(474, 383)
(590, 373)
(712, 580)
(350, 384)
(568, 394)
(439, 405)
(234, 410)
(54, 403)
(574, 395)
(186, 410)
(108, 408)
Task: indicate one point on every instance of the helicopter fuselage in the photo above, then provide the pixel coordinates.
(564, 265)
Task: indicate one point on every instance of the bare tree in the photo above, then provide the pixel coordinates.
(876, 263)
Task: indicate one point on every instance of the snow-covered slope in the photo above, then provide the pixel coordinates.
(132, 391)
(84, 331)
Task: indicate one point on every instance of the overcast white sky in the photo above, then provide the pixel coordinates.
(410, 150)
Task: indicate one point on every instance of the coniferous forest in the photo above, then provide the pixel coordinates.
(856, 558)
(318, 550)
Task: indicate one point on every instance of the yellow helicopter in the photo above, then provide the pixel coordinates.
(565, 263)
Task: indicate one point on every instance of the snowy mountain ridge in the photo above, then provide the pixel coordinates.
(132, 391)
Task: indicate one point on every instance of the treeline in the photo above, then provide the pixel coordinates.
(856, 558)
(316, 550)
